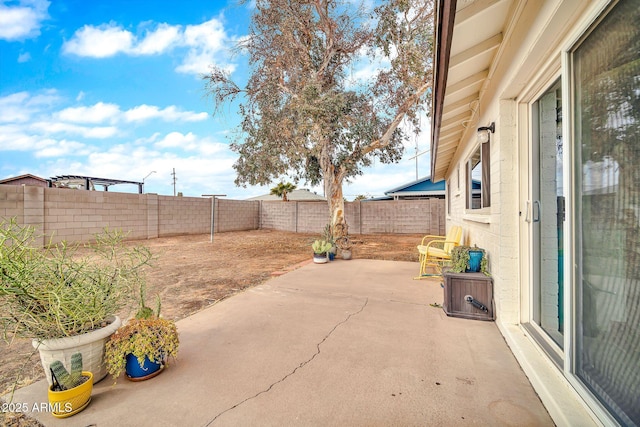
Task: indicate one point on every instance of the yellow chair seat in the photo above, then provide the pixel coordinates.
(435, 251)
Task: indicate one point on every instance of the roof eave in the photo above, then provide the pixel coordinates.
(445, 17)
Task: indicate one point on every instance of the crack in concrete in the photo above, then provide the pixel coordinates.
(301, 365)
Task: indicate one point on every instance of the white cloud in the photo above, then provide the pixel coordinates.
(98, 113)
(21, 106)
(158, 41)
(24, 57)
(98, 132)
(59, 148)
(12, 108)
(191, 142)
(15, 138)
(176, 139)
(204, 43)
(195, 174)
(99, 42)
(169, 114)
(64, 138)
(22, 21)
(12, 138)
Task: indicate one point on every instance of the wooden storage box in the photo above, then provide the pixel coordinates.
(468, 295)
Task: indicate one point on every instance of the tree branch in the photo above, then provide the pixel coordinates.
(401, 113)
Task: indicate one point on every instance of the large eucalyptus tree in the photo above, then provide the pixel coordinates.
(304, 114)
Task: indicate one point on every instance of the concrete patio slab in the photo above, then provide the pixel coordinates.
(346, 343)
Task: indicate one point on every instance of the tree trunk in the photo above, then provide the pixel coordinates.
(333, 191)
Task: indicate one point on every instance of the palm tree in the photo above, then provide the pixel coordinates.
(282, 189)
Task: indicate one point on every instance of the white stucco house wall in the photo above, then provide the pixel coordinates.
(539, 101)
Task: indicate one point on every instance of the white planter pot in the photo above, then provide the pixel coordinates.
(320, 259)
(91, 345)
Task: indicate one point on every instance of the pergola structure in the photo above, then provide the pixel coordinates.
(88, 182)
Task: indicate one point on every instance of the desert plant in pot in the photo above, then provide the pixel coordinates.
(467, 259)
(71, 391)
(327, 236)
(344, 244)
(143, 345)
(321, 250)
(66, 296)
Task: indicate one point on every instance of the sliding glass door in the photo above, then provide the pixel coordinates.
(547, 217)
(606, 81)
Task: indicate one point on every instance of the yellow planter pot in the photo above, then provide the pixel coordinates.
(66, 403)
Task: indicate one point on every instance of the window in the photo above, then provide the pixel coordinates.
(478, 178)
(606, 80)
(448, 185)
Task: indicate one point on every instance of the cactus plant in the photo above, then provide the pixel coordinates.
(321, 247)
(76, 369)
(63, 380)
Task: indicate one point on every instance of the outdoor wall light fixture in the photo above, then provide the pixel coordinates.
(483, 132)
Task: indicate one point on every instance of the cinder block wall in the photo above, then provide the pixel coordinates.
(397, 216)
(12, 202)
(403, 216)
(183, 215)
(77, 215)
(279, 215)
(235, 215)
(312, 217)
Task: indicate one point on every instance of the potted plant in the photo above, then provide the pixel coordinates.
(467, 259)
(142, 346)
(71, 391)
(321, 250)
(344, 243)
(66, 296)
(327, 236)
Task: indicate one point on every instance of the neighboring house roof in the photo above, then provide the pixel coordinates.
(26, 179)
(420, 188)
(464, 66)
(296, 195)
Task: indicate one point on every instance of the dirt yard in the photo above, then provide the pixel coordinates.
(190, 273)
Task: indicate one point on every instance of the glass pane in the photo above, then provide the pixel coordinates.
(607, 83)
(549, 206)
(474, 180)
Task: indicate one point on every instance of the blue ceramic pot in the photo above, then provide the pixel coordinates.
(135, 370)
(475, 257)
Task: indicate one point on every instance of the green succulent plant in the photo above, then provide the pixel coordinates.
(460, 259)
(321, 247)
(64, 380)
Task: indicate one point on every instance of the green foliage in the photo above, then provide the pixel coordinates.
(282, 189)
(145, 312)
(62, 379)
(64, 289)
(153, 337)
(327, 234)
(460, 259)
(321, 247)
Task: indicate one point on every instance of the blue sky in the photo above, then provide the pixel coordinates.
(112, 89)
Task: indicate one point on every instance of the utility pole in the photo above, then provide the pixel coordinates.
(174, 181)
